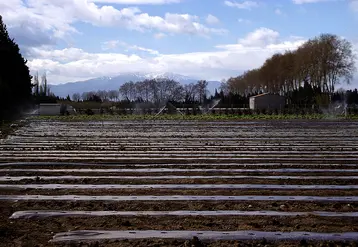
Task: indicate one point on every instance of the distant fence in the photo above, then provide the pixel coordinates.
(337, 109)
(292, 109)
(153, 111)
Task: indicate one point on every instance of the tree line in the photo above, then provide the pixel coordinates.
(15, 78)
(100, 95)
(320, 63)
(307, 76)
(156, 91)
(304, 97)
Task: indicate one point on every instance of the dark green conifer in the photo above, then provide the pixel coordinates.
(15, 78)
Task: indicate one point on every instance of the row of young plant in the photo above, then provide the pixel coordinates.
(206, 117)
(226, 111)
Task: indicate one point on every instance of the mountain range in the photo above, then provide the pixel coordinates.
(114, 83)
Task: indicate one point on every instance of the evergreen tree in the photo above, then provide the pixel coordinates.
(15, 78)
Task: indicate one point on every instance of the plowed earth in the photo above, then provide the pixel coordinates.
(179, 145)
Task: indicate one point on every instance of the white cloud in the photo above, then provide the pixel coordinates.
(278, 11)
(226, 60)
(159, 35)
(296, 38)
(245, 21)
(211, 19)
(56, 18)
(355, 50)
(260, 37)
(310, 1)
(76, 63)
(110, 45)
(176, 23)
(20, 18)
(139, 48)
(354, 5)
(137, 2)
(242, 5)
(61, 56)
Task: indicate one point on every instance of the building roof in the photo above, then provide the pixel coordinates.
(259, 95)
(263, 94)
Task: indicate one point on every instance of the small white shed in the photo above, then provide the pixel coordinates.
(267, 101)
(49, 109)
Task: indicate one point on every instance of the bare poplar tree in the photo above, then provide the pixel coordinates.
(36, 84)
(43, 87)
(322, 62)
(202, 89)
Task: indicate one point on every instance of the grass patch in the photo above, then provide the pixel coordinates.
(5, 129)
(205, 117)
(8, 127)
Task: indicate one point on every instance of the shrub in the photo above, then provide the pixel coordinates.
(89, 112)
(247, 112)
(63, 109)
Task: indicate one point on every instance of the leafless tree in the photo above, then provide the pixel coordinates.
(322, 62)
(84, 96)
(224, 87)
(164, 90)
(156, 90)
(113, 95)
(36, 84)
(202, 87)
(103, 94)
(125, 89)
(76, 97)
(44, 89)
(190, 92)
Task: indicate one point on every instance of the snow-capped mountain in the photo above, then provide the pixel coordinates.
(114, 82)
(168, 75)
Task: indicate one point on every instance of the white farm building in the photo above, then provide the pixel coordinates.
(267, 101)
(49, 109)
(55, 109)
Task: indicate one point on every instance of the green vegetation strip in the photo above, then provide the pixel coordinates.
(204, 117)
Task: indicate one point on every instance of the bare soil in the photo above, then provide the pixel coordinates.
(187, 181)
(163, 192)
(37, 232)
(314, 138)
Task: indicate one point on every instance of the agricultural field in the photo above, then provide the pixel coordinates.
(180, 183)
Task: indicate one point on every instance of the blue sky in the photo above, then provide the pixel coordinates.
(209, 39)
